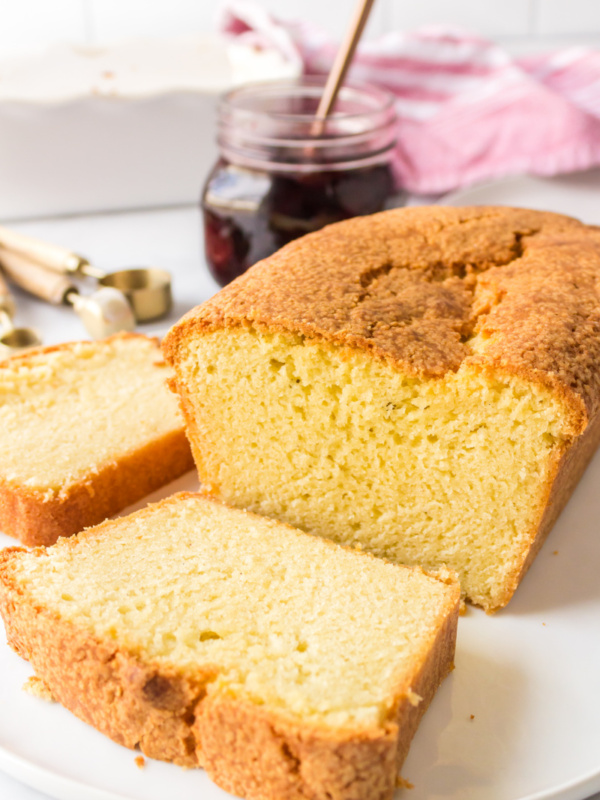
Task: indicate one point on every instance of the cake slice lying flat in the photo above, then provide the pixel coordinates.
(86, 429)
(285, 665)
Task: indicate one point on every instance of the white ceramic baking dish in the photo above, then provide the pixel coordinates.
(129, 126)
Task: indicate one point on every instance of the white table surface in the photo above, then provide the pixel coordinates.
(169, 238)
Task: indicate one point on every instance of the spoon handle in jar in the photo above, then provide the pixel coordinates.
(35, 278)
(51, 256)
(343, 59)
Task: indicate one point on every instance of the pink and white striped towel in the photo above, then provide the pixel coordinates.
(467, 111)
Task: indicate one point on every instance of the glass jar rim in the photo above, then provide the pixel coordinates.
(230, 100)
(266, 125)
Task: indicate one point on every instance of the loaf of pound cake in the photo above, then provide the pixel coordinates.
(286, 666)
(423, 383)
(86, 429)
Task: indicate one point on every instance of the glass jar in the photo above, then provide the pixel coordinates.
(281, 174)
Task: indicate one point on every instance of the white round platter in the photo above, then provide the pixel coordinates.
(519, 718)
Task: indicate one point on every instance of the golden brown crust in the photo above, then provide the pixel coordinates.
(29, 355)
(37, 518)
(568, 469)
(413, 286)
(500, 290)
(134, 703)
(172, 715)
(261, 755)
(254, 754)
(569, 465)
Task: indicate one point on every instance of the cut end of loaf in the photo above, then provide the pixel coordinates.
(422, 382)
(441, 471)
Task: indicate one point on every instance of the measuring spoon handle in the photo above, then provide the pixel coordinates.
(52, 256)
(7, 303)
(35, 278)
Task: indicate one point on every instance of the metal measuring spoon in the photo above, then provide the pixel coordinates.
(104, 312)
(13, 340)
(147, 289)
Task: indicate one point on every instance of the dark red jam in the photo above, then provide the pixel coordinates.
(248, 215)
(283, 173)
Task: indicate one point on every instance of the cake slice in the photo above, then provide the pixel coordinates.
(286, 666)
(86, 429)
(423, 383)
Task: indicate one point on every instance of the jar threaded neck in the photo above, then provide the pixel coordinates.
(272, 126)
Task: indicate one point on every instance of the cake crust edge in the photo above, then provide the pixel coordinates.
(29, 515)
(169, 715)
(256, 299)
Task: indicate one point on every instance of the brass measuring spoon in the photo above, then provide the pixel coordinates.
(148, 289)
(13, 340)
(104, 312)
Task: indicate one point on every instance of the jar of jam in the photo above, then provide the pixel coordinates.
(281, 174)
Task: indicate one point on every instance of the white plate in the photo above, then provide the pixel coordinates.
(519, 719)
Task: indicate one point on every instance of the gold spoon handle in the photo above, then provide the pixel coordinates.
(51, 256)
(343, 59)
(35, 278)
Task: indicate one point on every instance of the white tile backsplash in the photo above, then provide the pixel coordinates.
(558, 17)
(114, 20)
(332, 15)
(119, 19)
(488, 17)
(29, 25)
(26, 26)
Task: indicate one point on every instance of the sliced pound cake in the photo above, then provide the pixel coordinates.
(286, 666)
(423, 383)
(86, 429)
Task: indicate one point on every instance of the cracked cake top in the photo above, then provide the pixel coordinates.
(430, 288)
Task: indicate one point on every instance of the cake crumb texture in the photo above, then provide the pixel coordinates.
(87, 428)
(286, 666)
(422, 383)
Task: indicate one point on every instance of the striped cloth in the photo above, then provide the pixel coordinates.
(467, 111)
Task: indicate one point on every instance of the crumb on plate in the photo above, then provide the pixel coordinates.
(37, 688)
